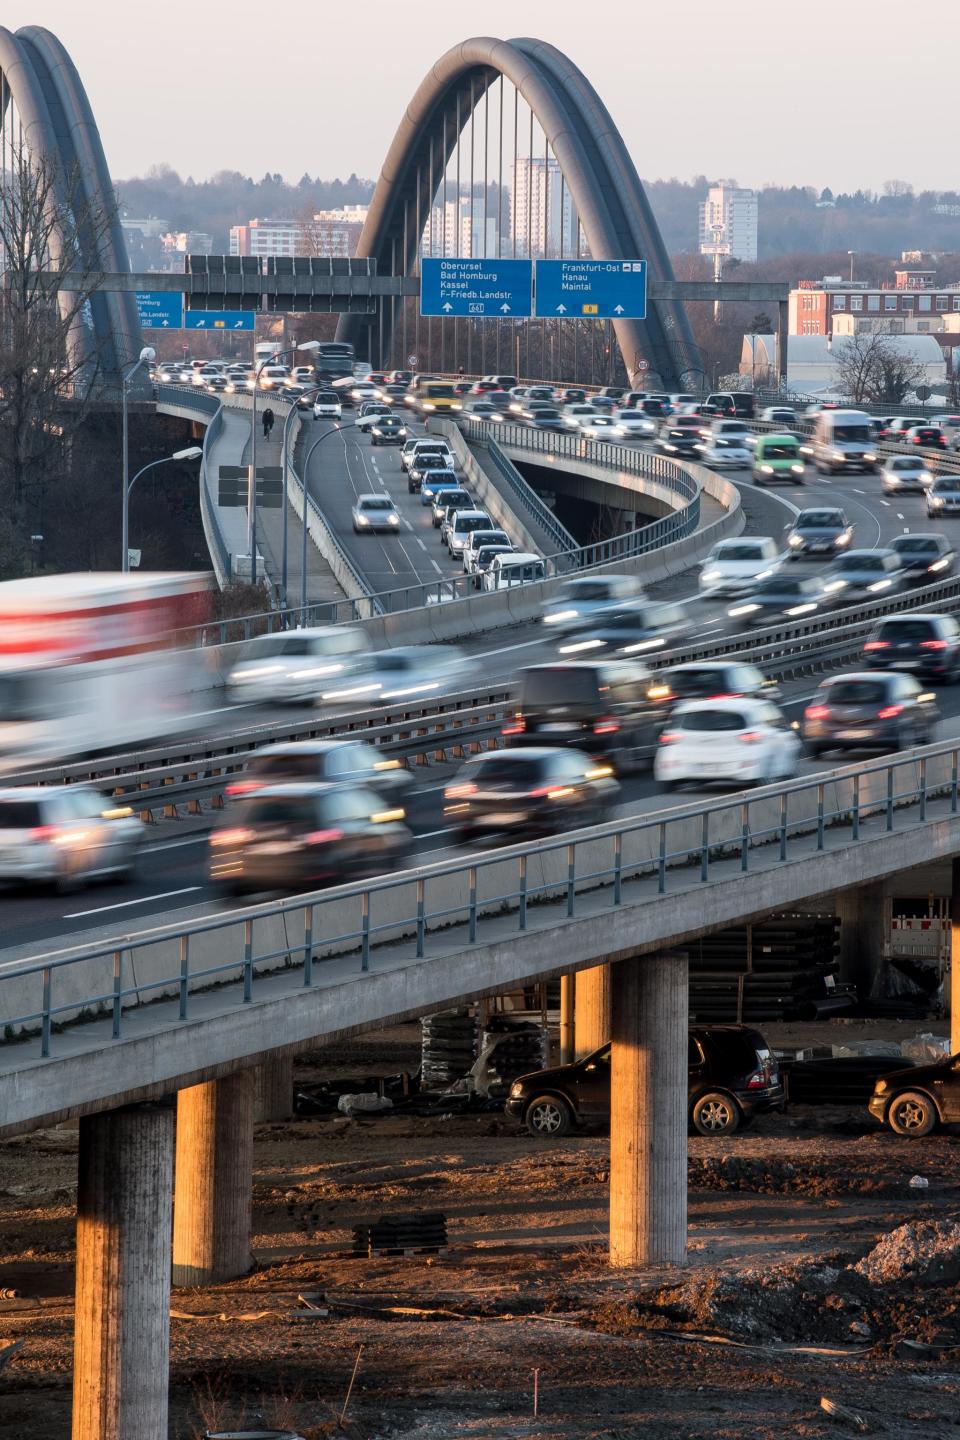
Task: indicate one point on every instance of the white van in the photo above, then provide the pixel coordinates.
(843, 440)
(295, 664)
(515, 569)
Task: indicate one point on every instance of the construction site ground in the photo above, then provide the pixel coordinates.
(769, 1319)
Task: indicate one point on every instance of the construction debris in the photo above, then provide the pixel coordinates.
(923, 1251)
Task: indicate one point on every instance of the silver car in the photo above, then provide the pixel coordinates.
(375, 512)
(65, 835)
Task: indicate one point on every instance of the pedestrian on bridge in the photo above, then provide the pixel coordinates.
(268, 418)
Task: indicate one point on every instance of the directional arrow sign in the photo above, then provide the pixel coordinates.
(220, 320)
(160, 309)
(598, 289)
(461, 286)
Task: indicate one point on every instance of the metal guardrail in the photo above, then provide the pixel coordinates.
(220, 553)
(633, 861)
(525, 494)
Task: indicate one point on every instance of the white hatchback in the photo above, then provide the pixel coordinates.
(736, 742)
(733, 565)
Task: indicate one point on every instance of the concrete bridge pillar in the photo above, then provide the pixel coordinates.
(214, 1181)
(273, 1097)
(863, 930)
(955, 957)
(121, 1353)
(648, 1115)
(591, 1010)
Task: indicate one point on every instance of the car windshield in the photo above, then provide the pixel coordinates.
(779, 452)
(852, 434)
(432, 460)
(899, 465)
(555, 687)
(20, 814)
(857, 692)
(444, 392)
(587, 590)
(951, 485)
(377, 502)
(270, 646)
(713, 720)
(860, 562)
(472, 522)
(917, 545)
(818, 520)
(293, 810)
(906, 630)
(296, 767)
(790, 589)
(548, 414)
(740, 552)
(707, 681)
(720, 444)
(507, 772)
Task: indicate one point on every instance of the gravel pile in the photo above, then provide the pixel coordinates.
(922, 1252)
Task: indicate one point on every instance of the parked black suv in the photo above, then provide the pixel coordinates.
(732, 1076)
(923, 644)
(605, 707)
(912, 1102)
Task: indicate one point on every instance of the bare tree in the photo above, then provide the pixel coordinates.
(49, 353)
(874, 370)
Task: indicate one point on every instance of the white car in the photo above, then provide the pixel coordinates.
(427, 444)
(403, 673)
(577, 413)
(733, 565)
(373, 411)
(326, 406)
(723, 454)
(456, 532)
(601, 427)
(737, 742)
(518, 568)
(779, 415)
(303, 374)
(635, 424)
(905, 472)
(475, 542)
(374, 512)
(295, 664)
(66, 835)
(584, 597)
(273, 376)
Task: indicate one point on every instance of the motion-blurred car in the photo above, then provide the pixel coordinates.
(298, 836)
(634, 424)
(861, 573)
(519, 567)
(295, 664)
(486, 411)
(930, 437)
(733, 565)
(925, 558)
(577, 413)
(873, 711)
(548, 419)
(375, 512)
(388, 430)
(447, 501)
(735, 742)
(677, 439)
(821, 531)
(457, 528)
(926, 645)
(721, 454)
(712, 680)
(437, 482)
(403, 673)
(943, 497)
(334, 762)
(370, 412)
(477, 539)
(905, 472)
(66, 835)
(639, 628)
(428, 464)
(777, 457)
(420, 445)
(779, 415)
(783, 596)
(528, 791)
(577, 601)
(600, 427)
(604, 707)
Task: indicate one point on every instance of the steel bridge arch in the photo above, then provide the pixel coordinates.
(38, 76)
(607, 193)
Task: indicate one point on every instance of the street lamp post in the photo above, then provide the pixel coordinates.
(334, 430)
(193, 452)
(851, 253)
(147, 356)
(252, 480)
(285, 460)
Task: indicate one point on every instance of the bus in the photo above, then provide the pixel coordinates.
(333, 360)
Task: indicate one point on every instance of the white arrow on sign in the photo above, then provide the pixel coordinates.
(447, 306)
(618, 309)
(504, 307)
(238, 324)
(165, 322)
(201, 324)
(561, 309)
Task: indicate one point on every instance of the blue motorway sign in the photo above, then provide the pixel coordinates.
(484, 288)
(597, 289)
(220, 320)
(160, 309)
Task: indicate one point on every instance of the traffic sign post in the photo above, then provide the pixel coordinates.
(592, 289)
(160, 309)
(485, 289)
(220, 320)
(233, 486)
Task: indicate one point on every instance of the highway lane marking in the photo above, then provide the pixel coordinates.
(123, 904)
(899, 517)
(162, 845)
(432, 562)
(882, 502)
(419, 542)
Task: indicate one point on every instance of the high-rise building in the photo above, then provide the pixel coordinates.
(728, 223)
(458, 229)
(542, 218)
(329, 232)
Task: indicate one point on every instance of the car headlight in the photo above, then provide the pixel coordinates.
(939, 564)
(516, 1090)
(842, 540)
(879, 585)
(795, 540)
(892, 479)
(936, 500)
(362, 520)
(429, 405)
(456, 405)
(796, 469)
(743, 610)
(393, 519)
(710, 576)
(837, 455)
(879, 1087)
(925, 477)
(868, 455)
(766, 469)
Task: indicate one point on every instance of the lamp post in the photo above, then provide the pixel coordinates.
(334, 430)
(285, 459)
(193, 452)
(851, 253)
(147, 356)
(252, 480)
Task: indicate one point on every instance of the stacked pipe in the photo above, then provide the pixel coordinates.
(521, 1046)
(401, 1234)
(448, 1047)
(781, 968)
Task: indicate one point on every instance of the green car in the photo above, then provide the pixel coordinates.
(777, 457)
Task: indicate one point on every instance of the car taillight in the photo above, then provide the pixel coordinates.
(322, 837)
(516, 726)
(669, 737)
(757, 1080)
(456, 792)
(877, 645)
(889, 712)
(243, 787)
(607, 726)
(238, 836)
(817, 712)
(750, 737)
(43, 832)
(933, 644)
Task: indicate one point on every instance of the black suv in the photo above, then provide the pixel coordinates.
(732, 1076)
(912, 1102)
(923, 644)
(606, 708)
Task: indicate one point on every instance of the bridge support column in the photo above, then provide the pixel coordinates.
(862, 914)
(121, 1353)
(648, 1115)
(273, 1098)
(567, 983)
(955, 957)
(592, 1012)
(214, 1181)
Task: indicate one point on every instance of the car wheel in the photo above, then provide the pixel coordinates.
(715, 1114)
(912, 1114)
(548, 1116)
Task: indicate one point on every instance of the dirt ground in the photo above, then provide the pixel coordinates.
(769, 1317)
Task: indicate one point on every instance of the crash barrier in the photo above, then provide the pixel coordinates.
(446, 909)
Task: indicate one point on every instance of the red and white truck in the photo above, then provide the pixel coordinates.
(96, 662)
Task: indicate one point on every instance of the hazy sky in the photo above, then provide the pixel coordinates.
(832, 92)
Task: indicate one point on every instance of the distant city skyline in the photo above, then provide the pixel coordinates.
(198, 95)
